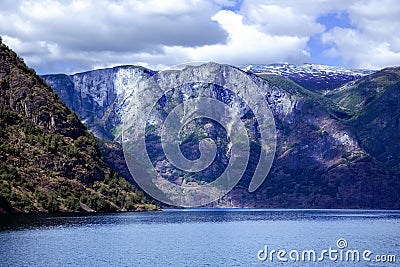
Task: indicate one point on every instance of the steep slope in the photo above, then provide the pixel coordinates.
(319, 162)
(374, 104)
(48, 159)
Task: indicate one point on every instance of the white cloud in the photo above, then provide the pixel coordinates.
(283, 20)
(247, 44)
(374, 42)
(76, 35)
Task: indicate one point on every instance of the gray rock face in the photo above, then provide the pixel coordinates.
(319, 161)
(99, 97)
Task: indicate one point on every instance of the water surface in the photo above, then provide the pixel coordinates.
(202, 237)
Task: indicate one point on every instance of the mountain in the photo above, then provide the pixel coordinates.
(325, 156)
(48, 160)
(314, 77)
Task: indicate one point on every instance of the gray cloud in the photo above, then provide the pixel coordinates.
(112, 26)
(53, 35)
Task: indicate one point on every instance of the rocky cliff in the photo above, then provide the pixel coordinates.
(99, 97)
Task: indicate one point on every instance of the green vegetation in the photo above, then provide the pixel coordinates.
(111, 194)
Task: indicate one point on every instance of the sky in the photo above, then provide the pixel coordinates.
(74, 36)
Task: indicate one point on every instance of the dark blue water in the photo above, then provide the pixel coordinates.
(198, 238)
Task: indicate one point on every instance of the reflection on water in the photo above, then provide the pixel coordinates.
(195, 237)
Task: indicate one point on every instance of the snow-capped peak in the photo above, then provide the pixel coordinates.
(319, 78)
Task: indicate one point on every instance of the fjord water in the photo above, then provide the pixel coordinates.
(202, 237)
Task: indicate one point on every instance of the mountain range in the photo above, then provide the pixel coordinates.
(337, 131)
